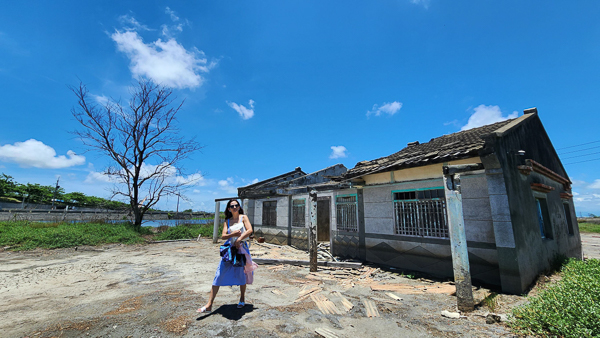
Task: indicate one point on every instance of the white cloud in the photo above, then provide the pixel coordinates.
(424, 3)
(483, 115)
(244, 112)
(228, 186)
(575, 193)
(387, 108)
(131, 24)
(101, 99)
(164, 62)
(171, 13)
(338, 152)
(98, 177)
(167, 30)
(254, 181)
(169, 172)
(33, 153)
(595, 184)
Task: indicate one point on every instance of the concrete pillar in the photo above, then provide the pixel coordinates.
(458, 242)
(217, 221)
(360, 222)
(312, 230)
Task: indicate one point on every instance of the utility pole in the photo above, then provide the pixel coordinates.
(55, 192)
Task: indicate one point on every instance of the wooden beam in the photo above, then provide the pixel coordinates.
(350, 265)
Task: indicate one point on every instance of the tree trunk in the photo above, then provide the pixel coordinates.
(137, 224)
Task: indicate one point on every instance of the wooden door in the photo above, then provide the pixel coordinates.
(323, 217)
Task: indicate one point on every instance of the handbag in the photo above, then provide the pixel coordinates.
(230, 254)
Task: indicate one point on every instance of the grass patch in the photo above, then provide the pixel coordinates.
(589, 227)
(567, 308)
(187, 231)
(24, 235)
(491, 301)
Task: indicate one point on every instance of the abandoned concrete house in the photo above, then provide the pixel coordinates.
(518, 209)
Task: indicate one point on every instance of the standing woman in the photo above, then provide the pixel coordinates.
(228, 274)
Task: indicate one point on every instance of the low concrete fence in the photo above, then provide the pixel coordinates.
(87, 216)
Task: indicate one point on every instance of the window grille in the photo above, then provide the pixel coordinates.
(347, 218)
(299, 213)
(269, 213)
(421, 213)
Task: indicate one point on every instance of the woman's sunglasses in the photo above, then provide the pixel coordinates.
(234, 206)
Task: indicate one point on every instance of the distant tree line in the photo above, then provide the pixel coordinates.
(11, 191)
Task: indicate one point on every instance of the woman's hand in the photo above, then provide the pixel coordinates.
(237, 243)
(236, 233)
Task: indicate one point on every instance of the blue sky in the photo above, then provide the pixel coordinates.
(272, 85)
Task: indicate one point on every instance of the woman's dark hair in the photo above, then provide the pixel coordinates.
(228, 213)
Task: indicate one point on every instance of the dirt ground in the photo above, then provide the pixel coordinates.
(591, 245)
(153, 290)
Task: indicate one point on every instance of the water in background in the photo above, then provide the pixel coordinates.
(175, 222)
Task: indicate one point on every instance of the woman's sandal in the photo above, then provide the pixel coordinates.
(203, 310)
(241, 305)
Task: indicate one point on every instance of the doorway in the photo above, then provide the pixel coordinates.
(323, 217)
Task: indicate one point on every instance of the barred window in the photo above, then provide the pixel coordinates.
(346, 208)
(269, 215)
(299, 213)
(421, 213)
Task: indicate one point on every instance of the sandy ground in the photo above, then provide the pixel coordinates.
(154, 290)
(591, 245)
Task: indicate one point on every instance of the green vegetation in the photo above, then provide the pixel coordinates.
(11, 191)
(567, 308)
(491, 301)
(589, 227)
(25, 235)
(187, 231)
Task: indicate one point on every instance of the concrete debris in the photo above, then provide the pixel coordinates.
(327, 333)
(493, 318)
(448, 314)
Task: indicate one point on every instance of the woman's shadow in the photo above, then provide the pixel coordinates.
(230, 311)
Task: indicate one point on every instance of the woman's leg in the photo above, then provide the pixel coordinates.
(243, 293)
(211, 298)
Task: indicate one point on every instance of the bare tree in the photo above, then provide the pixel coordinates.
(141, 139)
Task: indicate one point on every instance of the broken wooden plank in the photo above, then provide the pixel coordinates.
(317, 301)
(324, 304)
(371, 308)
(317, 277)
(385, 300)
(393, 296)
(277, 292)
(414, 290)
(305, 293)
(351, 265)
(345, 302)
(327, 333)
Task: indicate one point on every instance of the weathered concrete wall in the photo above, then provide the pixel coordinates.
(530, 254)
(273, 234)
(431, 255)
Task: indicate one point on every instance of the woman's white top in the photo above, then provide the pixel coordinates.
(237, 226)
